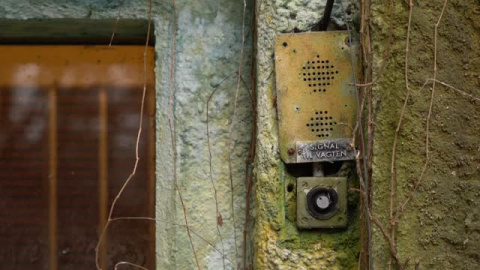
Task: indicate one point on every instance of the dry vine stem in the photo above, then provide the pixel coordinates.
(137, 158)
(116, 23)
(130, 264)
(365, 257)
(453, 88)
(427, 136)
(179, 225)
(394, 216)
(252, 147)
(218, 215)
(427, 132)
(364, 178)
(401, 208)
(210, 151)
(366, 49)
(249, 160)
(397, 131)
(231, 146)
(173, 224)
(366, 41)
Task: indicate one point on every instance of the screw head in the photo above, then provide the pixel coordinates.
(291, 151)
(347, 41)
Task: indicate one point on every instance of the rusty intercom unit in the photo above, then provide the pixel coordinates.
(317, 108)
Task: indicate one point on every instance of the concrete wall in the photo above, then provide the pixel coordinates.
(278, 242)
(209, 39)
(440, 227)
(208, 44)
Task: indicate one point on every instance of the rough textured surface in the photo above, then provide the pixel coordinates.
(208, 46)
(440, 228)
(278, 243)
(208, 50)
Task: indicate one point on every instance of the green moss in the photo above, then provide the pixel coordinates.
(344, 242)
(433, 228)
(289, 236)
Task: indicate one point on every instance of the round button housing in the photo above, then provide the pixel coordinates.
(322, 202)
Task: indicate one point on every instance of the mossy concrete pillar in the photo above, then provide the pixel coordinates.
(279, 244)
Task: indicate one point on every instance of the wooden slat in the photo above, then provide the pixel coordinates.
(103, 171)
(52, 212)
(151, 165)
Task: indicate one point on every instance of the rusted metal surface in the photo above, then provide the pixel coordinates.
(316, 99)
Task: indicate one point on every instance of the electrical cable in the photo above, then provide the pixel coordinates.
(327, 13)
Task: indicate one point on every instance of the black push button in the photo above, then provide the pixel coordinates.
(322, 202)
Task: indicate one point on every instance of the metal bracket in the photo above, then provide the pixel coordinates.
(312, 192)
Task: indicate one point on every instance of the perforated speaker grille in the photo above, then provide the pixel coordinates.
(322, 124)
(319, 74)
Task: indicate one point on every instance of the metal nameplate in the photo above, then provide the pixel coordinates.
(329, 150)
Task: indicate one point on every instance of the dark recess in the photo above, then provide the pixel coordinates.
(74, 32)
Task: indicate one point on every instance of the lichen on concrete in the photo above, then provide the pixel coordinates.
(208, 51)
(439, 228)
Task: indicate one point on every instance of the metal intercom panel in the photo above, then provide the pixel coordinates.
(316, 99)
